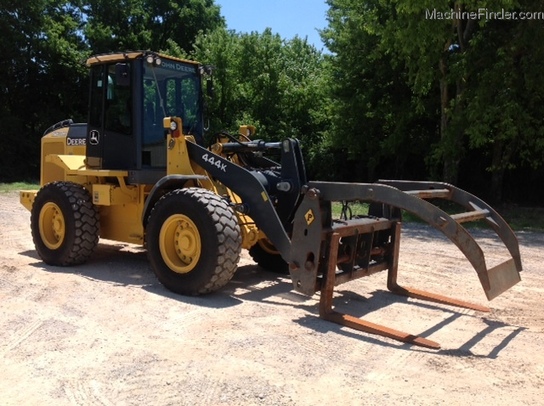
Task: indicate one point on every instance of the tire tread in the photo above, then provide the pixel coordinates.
(86, 224)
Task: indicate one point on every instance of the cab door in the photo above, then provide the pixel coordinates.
(110, 129)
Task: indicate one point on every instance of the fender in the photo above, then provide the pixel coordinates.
(168, 183)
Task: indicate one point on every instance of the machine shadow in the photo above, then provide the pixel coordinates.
(123, 265)
(358, 306)
(250, 280)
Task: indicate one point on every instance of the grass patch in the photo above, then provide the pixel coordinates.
(16, 186)
(355, 208)
(523, 218)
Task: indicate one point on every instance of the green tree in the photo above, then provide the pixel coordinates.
(42, 55)
(45, 44)
(378, 127)
(17, 39)
(147, 24)
(434, 74)
(220, 49)
(264, 80)
(432, 41)
(485, 68)
(505, 98)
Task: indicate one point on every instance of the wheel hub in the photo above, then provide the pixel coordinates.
(180, 243)
(52, 226)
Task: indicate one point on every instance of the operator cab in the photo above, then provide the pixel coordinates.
(130, 95)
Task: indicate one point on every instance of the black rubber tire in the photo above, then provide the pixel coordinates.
(80, 226)
(268, 259)
(220, 240)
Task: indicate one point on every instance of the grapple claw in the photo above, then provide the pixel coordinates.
(336, 252)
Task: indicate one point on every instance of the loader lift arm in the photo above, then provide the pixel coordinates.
(256, 200)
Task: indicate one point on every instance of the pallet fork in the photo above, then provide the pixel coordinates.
(326, 253)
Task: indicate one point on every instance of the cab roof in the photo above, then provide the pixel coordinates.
(131, 55)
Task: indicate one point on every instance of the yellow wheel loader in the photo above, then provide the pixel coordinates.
(138, 172)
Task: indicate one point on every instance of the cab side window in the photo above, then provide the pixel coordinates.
(97, 94)
(118, 113)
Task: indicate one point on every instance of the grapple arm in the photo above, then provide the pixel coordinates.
(327, 252)
(476, 209)
(309, 236)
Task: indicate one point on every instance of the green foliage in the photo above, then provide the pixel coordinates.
(401, 93)
(376, 119)
(424, 83)
(263, 80)
(45, 44)
(505, 101)
(147, 24)
(41, 80)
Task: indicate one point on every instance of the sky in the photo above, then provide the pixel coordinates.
(285, 17)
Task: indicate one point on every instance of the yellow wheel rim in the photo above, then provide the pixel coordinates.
(52, 226)
(180, 244)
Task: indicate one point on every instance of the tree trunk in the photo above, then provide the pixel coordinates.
(452, 140)
(497, 177)
(450, 157)
(501, 155)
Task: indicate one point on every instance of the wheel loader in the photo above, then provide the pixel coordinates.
(139, 172)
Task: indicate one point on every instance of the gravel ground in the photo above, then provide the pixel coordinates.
(107, 333)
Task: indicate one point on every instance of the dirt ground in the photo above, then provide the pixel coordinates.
(107, 333)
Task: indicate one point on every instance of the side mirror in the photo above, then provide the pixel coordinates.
(122, 74)
(207, 71)
(209, 88)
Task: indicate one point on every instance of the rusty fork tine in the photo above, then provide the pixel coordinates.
(394, 287)
(372, 328)
(326, 312)
(433, 297)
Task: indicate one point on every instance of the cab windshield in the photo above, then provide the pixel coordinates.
(171, 89)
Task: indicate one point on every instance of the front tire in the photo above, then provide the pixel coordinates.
(193, 241)
(267, 257)
(64, 224)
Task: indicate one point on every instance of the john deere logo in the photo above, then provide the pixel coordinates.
(94, 137)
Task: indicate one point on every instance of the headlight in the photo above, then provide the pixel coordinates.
(153, 59)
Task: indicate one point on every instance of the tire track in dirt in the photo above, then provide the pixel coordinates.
(129, 383)
(20, 336)
(86, 393)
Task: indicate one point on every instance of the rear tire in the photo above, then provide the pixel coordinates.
(193, 241)
(64, 224)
